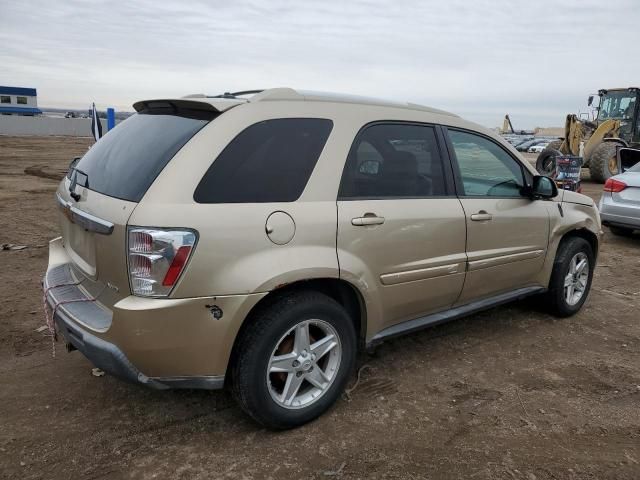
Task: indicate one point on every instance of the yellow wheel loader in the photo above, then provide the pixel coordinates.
(616, 125)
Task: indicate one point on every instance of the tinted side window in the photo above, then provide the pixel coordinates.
(394, 160)
(485, 168)
(270, 161)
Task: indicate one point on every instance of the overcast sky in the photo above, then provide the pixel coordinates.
(536, 60)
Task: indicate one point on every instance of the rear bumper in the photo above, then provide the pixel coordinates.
(160, 343)
(112, 360)
(619, 214)
(625, 222)
(103, 355)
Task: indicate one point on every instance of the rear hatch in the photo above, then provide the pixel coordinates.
(103, 187)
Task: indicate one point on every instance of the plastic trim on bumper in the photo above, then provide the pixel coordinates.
(619, 214)
(111, 359)
(621, 220)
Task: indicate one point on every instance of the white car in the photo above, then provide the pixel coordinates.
(537, 148)
(620, 203)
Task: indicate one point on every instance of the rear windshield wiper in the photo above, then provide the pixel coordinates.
(74, 181)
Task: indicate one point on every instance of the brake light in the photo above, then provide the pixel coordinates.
(176, 266)
(157, 259)
(613, 185)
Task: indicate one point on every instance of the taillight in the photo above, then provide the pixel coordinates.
(157, 259)
(613, 185)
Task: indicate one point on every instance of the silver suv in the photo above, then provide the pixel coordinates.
(259, 242)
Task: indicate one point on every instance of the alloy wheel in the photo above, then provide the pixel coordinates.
(304, 364)
(576, 279)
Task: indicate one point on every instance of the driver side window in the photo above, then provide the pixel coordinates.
(486, 170)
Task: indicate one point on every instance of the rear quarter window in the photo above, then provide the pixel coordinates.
(270, 161)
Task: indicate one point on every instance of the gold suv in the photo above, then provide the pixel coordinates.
(257, 240)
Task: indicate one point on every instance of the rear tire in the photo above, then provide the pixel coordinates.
(603, 162)
(621, 231)
(569, 278)
(546, 162)
(275, 377)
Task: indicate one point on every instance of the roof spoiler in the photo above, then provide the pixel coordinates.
(176, 104)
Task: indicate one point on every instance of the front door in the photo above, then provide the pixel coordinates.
(401, 229)
(507, 232)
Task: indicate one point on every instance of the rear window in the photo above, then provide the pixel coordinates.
(126, 161)
(635, 168)
(270, 161)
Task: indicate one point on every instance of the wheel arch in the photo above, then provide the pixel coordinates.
(340, 290)
(585, 234)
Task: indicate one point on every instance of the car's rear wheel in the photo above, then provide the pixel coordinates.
(294, 359)
(571, 277)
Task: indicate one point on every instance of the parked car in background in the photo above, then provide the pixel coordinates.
(517, 139)
(524, 146)
(537, 148)
(521, 141)
(258, 243)
(620, 202)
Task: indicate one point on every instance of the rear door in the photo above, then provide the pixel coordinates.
(401, 230)
(507, 232)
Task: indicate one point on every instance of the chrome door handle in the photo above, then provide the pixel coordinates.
(367, 220)
(481, 216)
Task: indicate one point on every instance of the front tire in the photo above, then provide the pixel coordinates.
(294, 359)
(571, 277)
(603, 162)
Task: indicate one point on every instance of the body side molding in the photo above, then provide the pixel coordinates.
(416, 324)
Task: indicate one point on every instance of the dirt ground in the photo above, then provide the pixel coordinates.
(509, 393)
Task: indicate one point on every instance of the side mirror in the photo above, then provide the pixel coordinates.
(590, 100)
(543, 187)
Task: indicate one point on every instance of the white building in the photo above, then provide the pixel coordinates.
(19, 101)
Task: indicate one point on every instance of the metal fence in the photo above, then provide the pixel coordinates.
(47, 126)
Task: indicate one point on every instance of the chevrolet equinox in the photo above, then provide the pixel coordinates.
(257, 240)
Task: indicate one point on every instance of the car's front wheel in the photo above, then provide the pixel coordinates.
(571, 277)
(294, 359)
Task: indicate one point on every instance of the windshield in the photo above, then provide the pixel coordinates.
(618, 105)
(125, 162)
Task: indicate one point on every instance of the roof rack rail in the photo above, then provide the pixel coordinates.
(237, 94)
